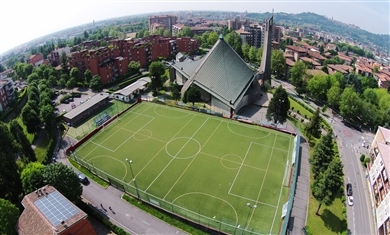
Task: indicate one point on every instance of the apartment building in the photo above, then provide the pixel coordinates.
(112, 61)
(296, 51)
(55, 56)
(7, 93)
(37, 60)
(379, 169)
(163, 21)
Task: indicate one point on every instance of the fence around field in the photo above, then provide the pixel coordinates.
(296, 158)
(216, 224)
(223, 225)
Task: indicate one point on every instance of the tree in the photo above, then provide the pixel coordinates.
(64, 179)
(322, 155)
(167, 33)
(370, 96)
(74, 73)
(64, 61)
(259, 55)
(368, 82)
(235, 41)
(32, 77)
(185, 32)
(156, 71)
(297, 76)
(96, 83)
(134, 67)
(313, 128)
(87, 77)
(213, 38)
(2, 69)
(30, 118)
(192, 95)
(18, 134)
(175, 89)
(318, 85)
(278, 62)
(11, 187)
(333, 96)
(46, 115)
(278, 106)
(350, 104)
(32, 177)
(9, 215)
(325, 188)
(245, 51)
(72, 82)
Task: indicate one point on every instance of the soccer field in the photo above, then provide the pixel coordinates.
(202, 167)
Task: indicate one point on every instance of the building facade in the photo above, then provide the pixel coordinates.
(379, 185)
(112, 61)
(163, 21)
(7, 93)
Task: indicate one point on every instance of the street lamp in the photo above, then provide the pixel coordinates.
(249, 212)
(135, 183)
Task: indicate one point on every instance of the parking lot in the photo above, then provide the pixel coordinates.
(75, 101)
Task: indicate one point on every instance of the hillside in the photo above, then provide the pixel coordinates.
(325, 24)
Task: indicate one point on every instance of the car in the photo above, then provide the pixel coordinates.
(83, 179)
(350, 201)
(349, 189)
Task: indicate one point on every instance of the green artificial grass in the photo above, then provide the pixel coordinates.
(201, 167)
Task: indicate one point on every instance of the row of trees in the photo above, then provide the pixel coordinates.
(357, 97)
(327, 170)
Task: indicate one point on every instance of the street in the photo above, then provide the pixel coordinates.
(360, 216)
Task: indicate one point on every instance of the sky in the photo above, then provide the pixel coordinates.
(22, 21)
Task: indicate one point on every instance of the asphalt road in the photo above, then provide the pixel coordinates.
(360, 216)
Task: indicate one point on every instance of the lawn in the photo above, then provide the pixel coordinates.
(297, 107)
(202, 167)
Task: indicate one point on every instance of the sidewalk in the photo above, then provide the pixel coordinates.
(123, 214)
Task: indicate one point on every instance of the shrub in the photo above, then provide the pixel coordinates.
(343, 199)
(302, 120)
(298, 111)
(362, 157)
(292, 108)
(366, 160)
(305, 116)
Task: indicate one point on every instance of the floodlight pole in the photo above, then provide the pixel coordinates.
(135, 183)
(249, 212)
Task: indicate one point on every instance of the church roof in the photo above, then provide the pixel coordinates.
(224, 74)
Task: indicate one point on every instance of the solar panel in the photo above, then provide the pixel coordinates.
(56, 208)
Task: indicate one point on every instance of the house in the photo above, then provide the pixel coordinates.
(289, 64)
(47, 211)
(378, 179)
(37, 60)
(330, 47)
(383, 79)
(342, 68)
(296, 51)
(310, 61)
(315, 55)
(55, 56)
(129, 92)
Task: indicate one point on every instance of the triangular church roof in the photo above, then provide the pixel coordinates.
(224, 74)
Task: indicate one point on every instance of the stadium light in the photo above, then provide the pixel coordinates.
(249, 212)
(135, 183)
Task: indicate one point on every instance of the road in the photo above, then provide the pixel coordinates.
(360, 216)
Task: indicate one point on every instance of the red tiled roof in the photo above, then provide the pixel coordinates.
(242, 31)
(316, 55)
(290, 62)
(295, 48)
(33, 221)
(313, 62)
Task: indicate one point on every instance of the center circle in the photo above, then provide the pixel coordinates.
(183, 147)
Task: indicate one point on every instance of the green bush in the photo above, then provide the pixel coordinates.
(343, 199)
(366, 160)
(362, 157)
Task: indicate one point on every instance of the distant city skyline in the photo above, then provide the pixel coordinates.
(23, 21)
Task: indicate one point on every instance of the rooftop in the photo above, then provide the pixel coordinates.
(86, 105)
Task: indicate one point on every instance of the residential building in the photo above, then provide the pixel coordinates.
(276, 33)
(112, 61)
(236, 23)
(315, 55)
(342, 68)
(7, 93)
(162, 21)
(296, 51)
(37, 60)
(199, 30)
(378, 178)
(55, 56)
(47, 211)
(246, 37)
(177, 28)
(256, 38)
(383, 78)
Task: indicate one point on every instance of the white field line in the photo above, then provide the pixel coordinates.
(188, 165)
(176, 155)
(262, 184)
(267, 146)
(254, 201)
(143, 168)
(238, 172)
(211, 155)
(101, 146)
(110, 135)
(144, 135)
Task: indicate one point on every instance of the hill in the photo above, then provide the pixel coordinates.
(324, 24)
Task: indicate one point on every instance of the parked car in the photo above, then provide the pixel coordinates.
(83, 179)
(350, 200)
(349, 189)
